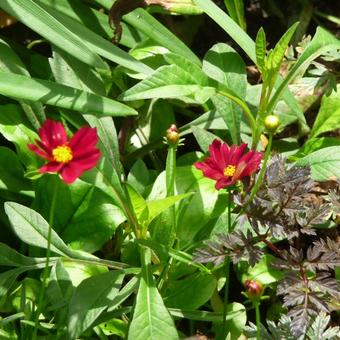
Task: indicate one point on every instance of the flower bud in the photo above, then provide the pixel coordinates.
(271, 123)
(254, 289)
(172, 135)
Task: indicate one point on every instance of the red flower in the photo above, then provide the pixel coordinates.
(69, 158)
(227, 164)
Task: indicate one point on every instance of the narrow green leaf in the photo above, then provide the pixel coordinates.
(325, 163)
(151, 320)
(276, 56)
(98, 44)
(37, 18)
(32, 229)
(231, 27)
(18, 86)
(261, 46)
(10, 62)
(90, 300)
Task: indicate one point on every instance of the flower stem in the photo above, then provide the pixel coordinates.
(227, 269)
(262, 171)
(47, 263)
(258, 319)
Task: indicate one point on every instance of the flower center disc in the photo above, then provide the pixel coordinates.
(229, 170)
(62, 154)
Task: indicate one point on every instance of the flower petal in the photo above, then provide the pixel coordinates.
(84, 139)
(87, 161)
(51, 167)
(70, 173)
(237, 154)
(219, 152)
(52, 134)
(39, 151)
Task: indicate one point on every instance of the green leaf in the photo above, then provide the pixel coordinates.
(328, 118)
(12, 172)
(190, 292)
(151, 320)
(173, 81)
(98, 44)
(32, 229)
(90, 299)
(230, 26)
(261, 47)
(10, 62)
(275, 57)
(18, 86)
(10, 257)
(147, 24)
(13, 127)
(325, 163)
(37, 18)
(85, 217)
(204, 138)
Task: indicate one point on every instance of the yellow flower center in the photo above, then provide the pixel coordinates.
(229, 170)
(62, 154)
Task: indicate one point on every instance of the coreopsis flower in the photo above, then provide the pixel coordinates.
(227, 164)
(254, 289)
(67, 157)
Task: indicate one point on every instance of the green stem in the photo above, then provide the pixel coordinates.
(244, 107)
(227, 269)
(262, 171)
(258, 319)
(47, 263)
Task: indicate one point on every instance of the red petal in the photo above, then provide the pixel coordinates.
(70, 173)
(84, 139)
(88, 161)
(51, 167)
(209, 169)
(219, 153)
(52, 134)
(39, 152)
(237, 154)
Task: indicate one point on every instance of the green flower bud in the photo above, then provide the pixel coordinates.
(172, 135)
(271, 123)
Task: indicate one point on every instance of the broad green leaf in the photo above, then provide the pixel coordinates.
(322, 42)
(151, 320)
(37, 18)
(325, 163)
(12, 172)
(173, 81)
(98, 44)
(261, 48)
(223, 64)
(90, 299)
(10, 62)
(194, 212)
(275, 57)
(32, 229)
(84, 216)
(139, 177)
(328, 118)
(23, 87)
(190, 292)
